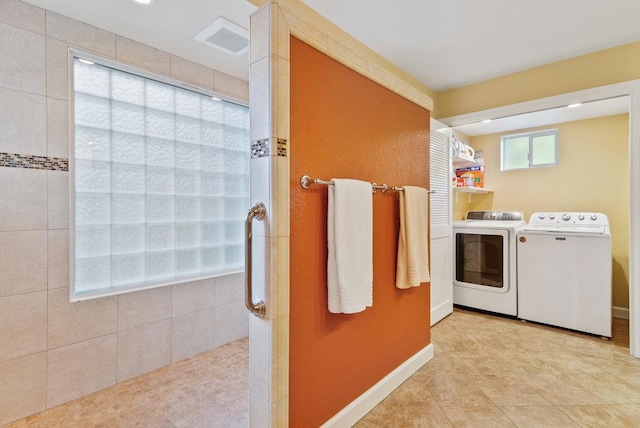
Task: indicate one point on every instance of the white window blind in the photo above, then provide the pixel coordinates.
(440, 178)
(160, 182)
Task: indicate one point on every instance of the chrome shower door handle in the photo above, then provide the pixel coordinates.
(257, 211)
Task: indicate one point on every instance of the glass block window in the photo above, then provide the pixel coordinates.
(160, 182)
(529, 150)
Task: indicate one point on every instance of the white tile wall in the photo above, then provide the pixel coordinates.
(75, 322)
(23, 325)
(193, 296)
(282, 189)
(23, 60)
(282, 266)
(231, 85)
(261, 192)
(282, 356)
(58, 258)
(143, 56)
(23, 387)
(57, 75)
(260, 269)
(263, 333)
(80, 369)
(193, 333)
(229, 288)
(24, 204)
(81, 35)
(143, 349)
(260, 410)
(259, 35)
(143, 307)
(22, 15)
(283, 412)
(191, 72)
(52, 351)
(23, 123)
(23, 262)
(260, 100)
(58, 199)
(231, 321)
(260, 370)
(57, 128)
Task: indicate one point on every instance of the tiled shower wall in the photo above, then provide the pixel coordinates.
(52, 351)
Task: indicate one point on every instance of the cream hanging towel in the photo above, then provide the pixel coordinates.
(350, 245)
(412, 266)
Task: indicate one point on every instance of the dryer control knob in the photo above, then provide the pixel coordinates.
(581, 217)
(492, 216)
(552, 216)
(566, 217)
(594, 217)
(541, 216)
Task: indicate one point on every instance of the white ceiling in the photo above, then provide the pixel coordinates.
(169, 25)
(443, 44)
(589, 110)
(451, 43)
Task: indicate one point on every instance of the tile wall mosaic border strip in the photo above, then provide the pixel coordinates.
(260, 148)
(282, 147)
(15, 160)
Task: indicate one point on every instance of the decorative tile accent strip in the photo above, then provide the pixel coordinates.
(282, 147)
(260, 148)
(14, 160)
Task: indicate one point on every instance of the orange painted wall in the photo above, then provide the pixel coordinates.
(346, 126)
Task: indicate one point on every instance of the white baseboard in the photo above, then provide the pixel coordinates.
(441, 311)
(618, 312)
(362, 405)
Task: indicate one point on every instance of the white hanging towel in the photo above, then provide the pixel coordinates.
(350, 244)
(412, 266)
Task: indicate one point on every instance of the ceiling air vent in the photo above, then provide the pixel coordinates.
(226, 36)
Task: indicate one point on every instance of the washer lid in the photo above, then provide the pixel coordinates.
(582, 230)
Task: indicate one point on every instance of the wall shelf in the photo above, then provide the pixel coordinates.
(459, 162)
(470, 191)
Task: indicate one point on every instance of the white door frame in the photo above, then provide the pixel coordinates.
(632, 89)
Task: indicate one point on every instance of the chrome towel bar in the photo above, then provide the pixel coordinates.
(306, 182)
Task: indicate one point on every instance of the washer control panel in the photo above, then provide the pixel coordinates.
(569, 218)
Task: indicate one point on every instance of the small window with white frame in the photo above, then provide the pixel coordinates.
(159, 180)
(529, 150)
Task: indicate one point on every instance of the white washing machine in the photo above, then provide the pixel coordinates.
(564, 271)
(484, 274)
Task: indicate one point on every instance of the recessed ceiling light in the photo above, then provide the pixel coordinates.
(143, 1)
(574, 105)
(86, 61)
(486, 121)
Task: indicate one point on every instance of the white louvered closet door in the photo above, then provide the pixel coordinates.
(440, 222)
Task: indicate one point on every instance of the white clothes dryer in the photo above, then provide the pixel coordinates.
(564, 271)
(484, 274)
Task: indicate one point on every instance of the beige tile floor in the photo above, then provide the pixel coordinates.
(490, 371)
(208, 390)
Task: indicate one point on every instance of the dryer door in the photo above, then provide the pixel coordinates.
(481, 259)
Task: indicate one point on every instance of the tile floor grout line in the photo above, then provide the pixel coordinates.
(465, 345)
